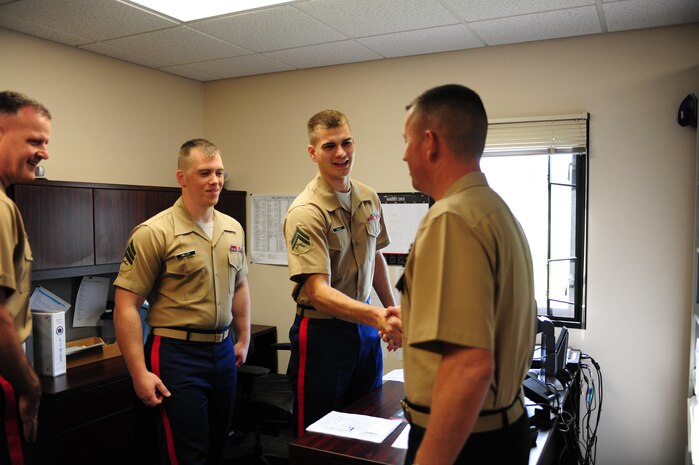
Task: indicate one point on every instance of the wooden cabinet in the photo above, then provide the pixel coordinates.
(117, 211)
(77, 229)
(59, 222)
(87, 416)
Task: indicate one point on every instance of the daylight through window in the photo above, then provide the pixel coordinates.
(539, 166)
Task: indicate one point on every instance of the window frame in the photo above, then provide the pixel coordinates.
(518, 142)
(578, 319)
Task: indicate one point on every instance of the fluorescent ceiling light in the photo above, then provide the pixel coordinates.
(189, 10)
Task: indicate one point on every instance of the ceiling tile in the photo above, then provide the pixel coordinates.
(93, 19)
(347, 51)
(433, 40)
(247, 65)
(635, 14)
(39, 30)
(478, 10)
(127, 55)
(178, 45)
(539, 26)
(271, 29)
(368, 18)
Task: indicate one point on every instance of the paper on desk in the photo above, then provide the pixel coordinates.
(401, 441)
(395, 375)
(91, 301)
(350, 425)
(44, 300)
(81, 348)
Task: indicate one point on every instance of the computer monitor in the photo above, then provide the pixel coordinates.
(554, 350)
(561, 351)
(548, 350)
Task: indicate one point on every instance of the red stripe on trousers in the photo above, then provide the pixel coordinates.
(155, 366)
(14, 441)
(303, 346)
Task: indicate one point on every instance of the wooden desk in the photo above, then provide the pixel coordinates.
(88, 415)
(323, 449)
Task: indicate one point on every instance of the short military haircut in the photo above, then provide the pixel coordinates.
(457, 112)
(203, 145)
(326, 119)
(11, 102)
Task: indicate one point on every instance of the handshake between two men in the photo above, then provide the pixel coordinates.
(391, 329)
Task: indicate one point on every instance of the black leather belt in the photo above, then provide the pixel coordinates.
(488, 419)
(310, 312)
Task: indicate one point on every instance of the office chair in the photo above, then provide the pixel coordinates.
(268, 404)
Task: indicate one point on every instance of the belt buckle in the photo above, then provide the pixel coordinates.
(406, 410)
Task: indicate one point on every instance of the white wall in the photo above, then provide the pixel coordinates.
(641, 189)
(113, 122)
(120, 123)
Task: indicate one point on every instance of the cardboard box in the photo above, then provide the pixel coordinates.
(49, 342)
(93, 350)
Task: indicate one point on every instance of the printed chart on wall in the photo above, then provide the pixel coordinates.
(402, 212)
(266, 236)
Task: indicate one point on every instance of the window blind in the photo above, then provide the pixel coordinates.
(537, 135)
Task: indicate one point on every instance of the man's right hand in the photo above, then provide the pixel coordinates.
(390, 327)
(150, 389)
(29, 412)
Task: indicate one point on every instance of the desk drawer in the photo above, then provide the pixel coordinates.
(110, 441)
(91, 405)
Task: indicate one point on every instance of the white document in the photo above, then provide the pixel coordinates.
(46, 301)
(394, 375)
(91, 301)
(401, 441)
(267, 238)
(349, 425)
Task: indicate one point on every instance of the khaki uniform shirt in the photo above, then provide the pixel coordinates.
(188, 279)
(322, 237)
(469, 281)
(15, 265)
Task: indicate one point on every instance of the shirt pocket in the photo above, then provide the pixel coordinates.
(373, 228)
(186, 279)
(338, 238)
(235, 263)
